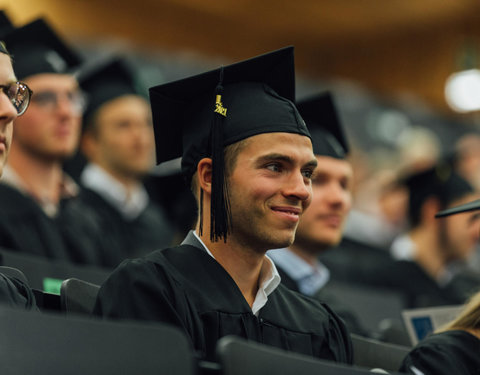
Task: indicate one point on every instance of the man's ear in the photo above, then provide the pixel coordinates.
(429, 208)
(204, 173)
(88, 145)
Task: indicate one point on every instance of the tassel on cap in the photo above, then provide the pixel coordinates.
(220, 214)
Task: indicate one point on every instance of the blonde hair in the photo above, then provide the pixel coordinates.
(469, 317)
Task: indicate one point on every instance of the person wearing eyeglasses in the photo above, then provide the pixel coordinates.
(14, 100)
(41, 213)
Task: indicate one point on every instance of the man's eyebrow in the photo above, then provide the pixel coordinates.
(285, 158)
(311, 164)
(274, 157)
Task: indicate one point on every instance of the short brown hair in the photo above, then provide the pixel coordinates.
(230, 153)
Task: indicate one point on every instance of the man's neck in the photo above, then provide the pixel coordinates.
(308, 256)
(428, 251)
(242, 264)
(40, 177)
(128, 181)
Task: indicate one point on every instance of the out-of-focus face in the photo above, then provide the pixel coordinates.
(460, 232)
(50, 129)
(122, 140)
(270, 188)
(321, 226)
(8, 113)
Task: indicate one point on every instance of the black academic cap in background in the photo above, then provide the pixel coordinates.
(322, 120)
(106, 80)
(440, 181)
(470, 206)
(6, 24)
(5, 27)
(197, 117)
(36, 49)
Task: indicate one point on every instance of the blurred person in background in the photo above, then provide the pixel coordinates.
(466, 161)
(14, 100)
(467, 158)
(379, 213)
(118, 142)
(321, 226)
(452, 349)
(41, 214)
(425, 255)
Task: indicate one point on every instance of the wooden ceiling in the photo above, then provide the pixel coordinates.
(394, 47)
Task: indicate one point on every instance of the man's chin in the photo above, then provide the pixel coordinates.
(283, 241)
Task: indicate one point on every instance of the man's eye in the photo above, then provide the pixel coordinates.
(308, 173)
(44, 97)
(273, 167)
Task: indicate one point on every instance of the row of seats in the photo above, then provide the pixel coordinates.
(77, 297)
(54, 344)
(378, 311)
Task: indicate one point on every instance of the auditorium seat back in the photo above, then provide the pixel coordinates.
(78, 296)
(48, 344)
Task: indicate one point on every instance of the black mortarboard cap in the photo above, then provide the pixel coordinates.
(198, 116)
(36, 48)
(106, 81)
(440, 181)
(328, 137)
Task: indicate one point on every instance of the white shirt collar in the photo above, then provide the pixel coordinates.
(403, 248)
(129, 203)
(68, 189)
(269, 280)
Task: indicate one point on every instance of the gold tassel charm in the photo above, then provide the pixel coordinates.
(219, 108)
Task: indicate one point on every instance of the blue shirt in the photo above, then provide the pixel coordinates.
(310, 279)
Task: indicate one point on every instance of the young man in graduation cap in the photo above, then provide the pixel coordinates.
(40, 214)
(321, 226)
(118, 142)
(248, 156)
(426, 255)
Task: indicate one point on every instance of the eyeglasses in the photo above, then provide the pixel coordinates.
(19, 94)
(49, 100)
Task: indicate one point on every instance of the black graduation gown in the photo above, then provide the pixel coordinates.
(14, 293)
(71, 236)
(348, 316)
(418, 287)
(445, 353)
(128, 238)
(186, 287)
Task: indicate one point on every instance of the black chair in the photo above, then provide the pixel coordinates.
(47, 274)
(15, 273)
(376, 354)
(393, 331)
(351, 261)
(78, 296)
(44, 301)
(369, 304)
(239, 357)
(48, 344)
